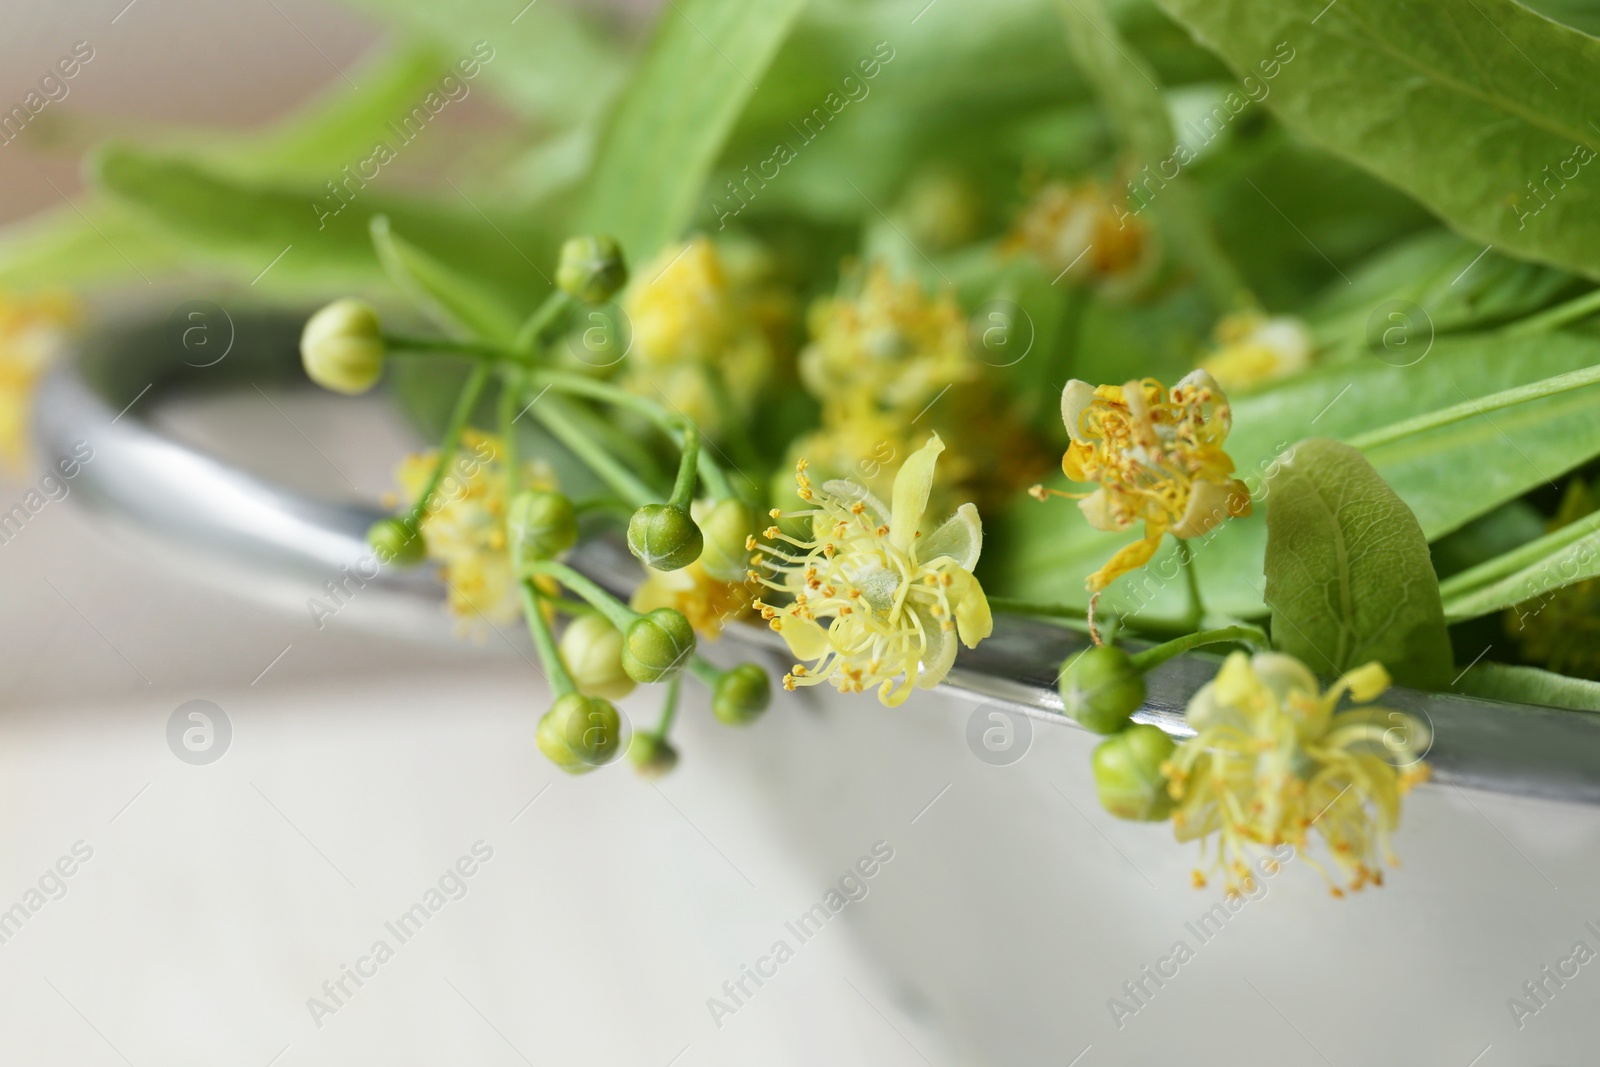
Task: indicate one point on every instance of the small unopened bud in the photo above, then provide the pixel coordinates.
(540, 525)
(1127, 773)
(741, 694)
(724, 527)
(1101, 688)
(580, 733)
(657, 645)
(652, 756)
(342, 347)
(592, 650)
(397, 541)
(664, 536)
(592, 268)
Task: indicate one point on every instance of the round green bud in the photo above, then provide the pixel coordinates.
(540, 525)
(592, 650)
(741, 694)
(1127, 773)
(580, 733)
(1101, 688)
(396, 541)
(657, 645)
(342, 347)
(592, 268)
(725, 527)
(664, 536)
(652, 756)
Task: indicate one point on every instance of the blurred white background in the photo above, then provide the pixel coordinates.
(219, 898)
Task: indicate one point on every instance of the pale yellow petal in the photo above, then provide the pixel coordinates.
(911, 488)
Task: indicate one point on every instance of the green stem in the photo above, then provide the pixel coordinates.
(1560, 383)
(669, 708)
(530, 337)
(510, 393)
(705, 672)
(407, 345)
(683, 488)
(1560, 315)
(465, 402)
(561, 682)
(618, 613)
(1242, 633)
(622, 481)
(1191, 577)
(602, 504)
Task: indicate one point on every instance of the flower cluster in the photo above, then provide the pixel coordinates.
(464, 523)
(894, 602)
(1253, 349)
(33, 334)
(1158, 458)
(1085, 233)
(705, 322)
(1274, 760)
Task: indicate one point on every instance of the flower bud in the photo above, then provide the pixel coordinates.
(592, 650)
(663, 536)
(652, 756)
(741, 694)
(396, 541)
(1127, 773)
(342, 347)
(580, 733)
(591, 268)
(725, 526)
(657, 645)
(540, 525)
(1101, 688)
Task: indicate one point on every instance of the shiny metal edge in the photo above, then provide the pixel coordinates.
(229, 527)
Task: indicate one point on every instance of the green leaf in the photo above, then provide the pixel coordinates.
(457, 300)
(338, 127)
(1349, 579)
(1561, 557)
(92, 241)
(1481, 109)
(676, 113)
(1529, 685)
(1127, 86)
(285, 232)
(547, 60)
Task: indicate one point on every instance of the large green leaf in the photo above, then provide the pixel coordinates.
(87, 241)
(1481, 109)
(675, 114)
(1348, 576)
(287, 231)
(1561, 557)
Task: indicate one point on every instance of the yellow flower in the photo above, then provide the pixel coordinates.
(1084, 232)
(705, 601)
(890, 347)
(33, 333)
(1158, 458)
(1272, 761)
(894, 601)
(1254, 349)
(701, 328)
(464, 524)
